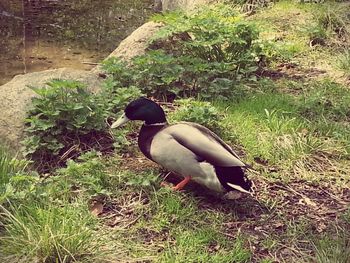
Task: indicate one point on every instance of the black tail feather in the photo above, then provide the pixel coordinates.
(233, 175)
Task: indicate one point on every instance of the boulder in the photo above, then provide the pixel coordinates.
(15, 99)
(135, 44)
(15, 96)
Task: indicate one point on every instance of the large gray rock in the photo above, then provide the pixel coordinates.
(15, 96)
(135, 44)
(15, 99)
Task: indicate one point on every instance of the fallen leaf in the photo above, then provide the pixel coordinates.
(116, 221)
(96, 208)
(214, 248)
(279, 225)
(166, 184)
(233, 195)
(309, 202)
(321, 227)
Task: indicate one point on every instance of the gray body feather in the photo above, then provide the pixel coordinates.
(193, 150)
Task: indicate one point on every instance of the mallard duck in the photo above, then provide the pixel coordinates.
(188, 149)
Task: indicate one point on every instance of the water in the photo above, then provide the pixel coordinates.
(45, 34)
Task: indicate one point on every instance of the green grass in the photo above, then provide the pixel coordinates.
(12, 175)
(270, 126)
(204, 245)
(9, 165)
(293, 129)
(257, 121)
(309, 35)
(48, 233)
(179, 230)
(336, 249)
(344, 62)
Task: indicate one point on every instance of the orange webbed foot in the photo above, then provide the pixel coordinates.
(182, 184)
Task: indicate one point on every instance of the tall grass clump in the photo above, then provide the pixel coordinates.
(344, 63)
(12, 176)
(47, 232)
(325, 99)
(335, 250)
(331, 23)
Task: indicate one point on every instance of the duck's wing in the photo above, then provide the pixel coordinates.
(205, 144)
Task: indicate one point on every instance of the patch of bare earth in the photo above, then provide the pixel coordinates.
(281, 218)
(277, 222)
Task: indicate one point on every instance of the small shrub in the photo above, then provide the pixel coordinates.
(158, 74)
(213, 34)
(84, 177)
(64, 115)
(66, 120)
(200, 112)
(206, 54)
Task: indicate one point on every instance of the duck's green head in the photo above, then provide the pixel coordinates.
(142, 109)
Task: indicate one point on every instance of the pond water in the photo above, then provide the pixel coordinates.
(45, 34)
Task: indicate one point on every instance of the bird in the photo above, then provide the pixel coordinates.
(186, 148)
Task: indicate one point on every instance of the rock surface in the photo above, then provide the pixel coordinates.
(15, 96)
(135, 44)
(15, 99)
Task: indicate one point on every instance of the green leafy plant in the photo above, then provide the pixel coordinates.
(200, 112)
(209, 53)
(66, 120)
(212, 34)
(64, 115)
(146, 179)
(85, 176)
